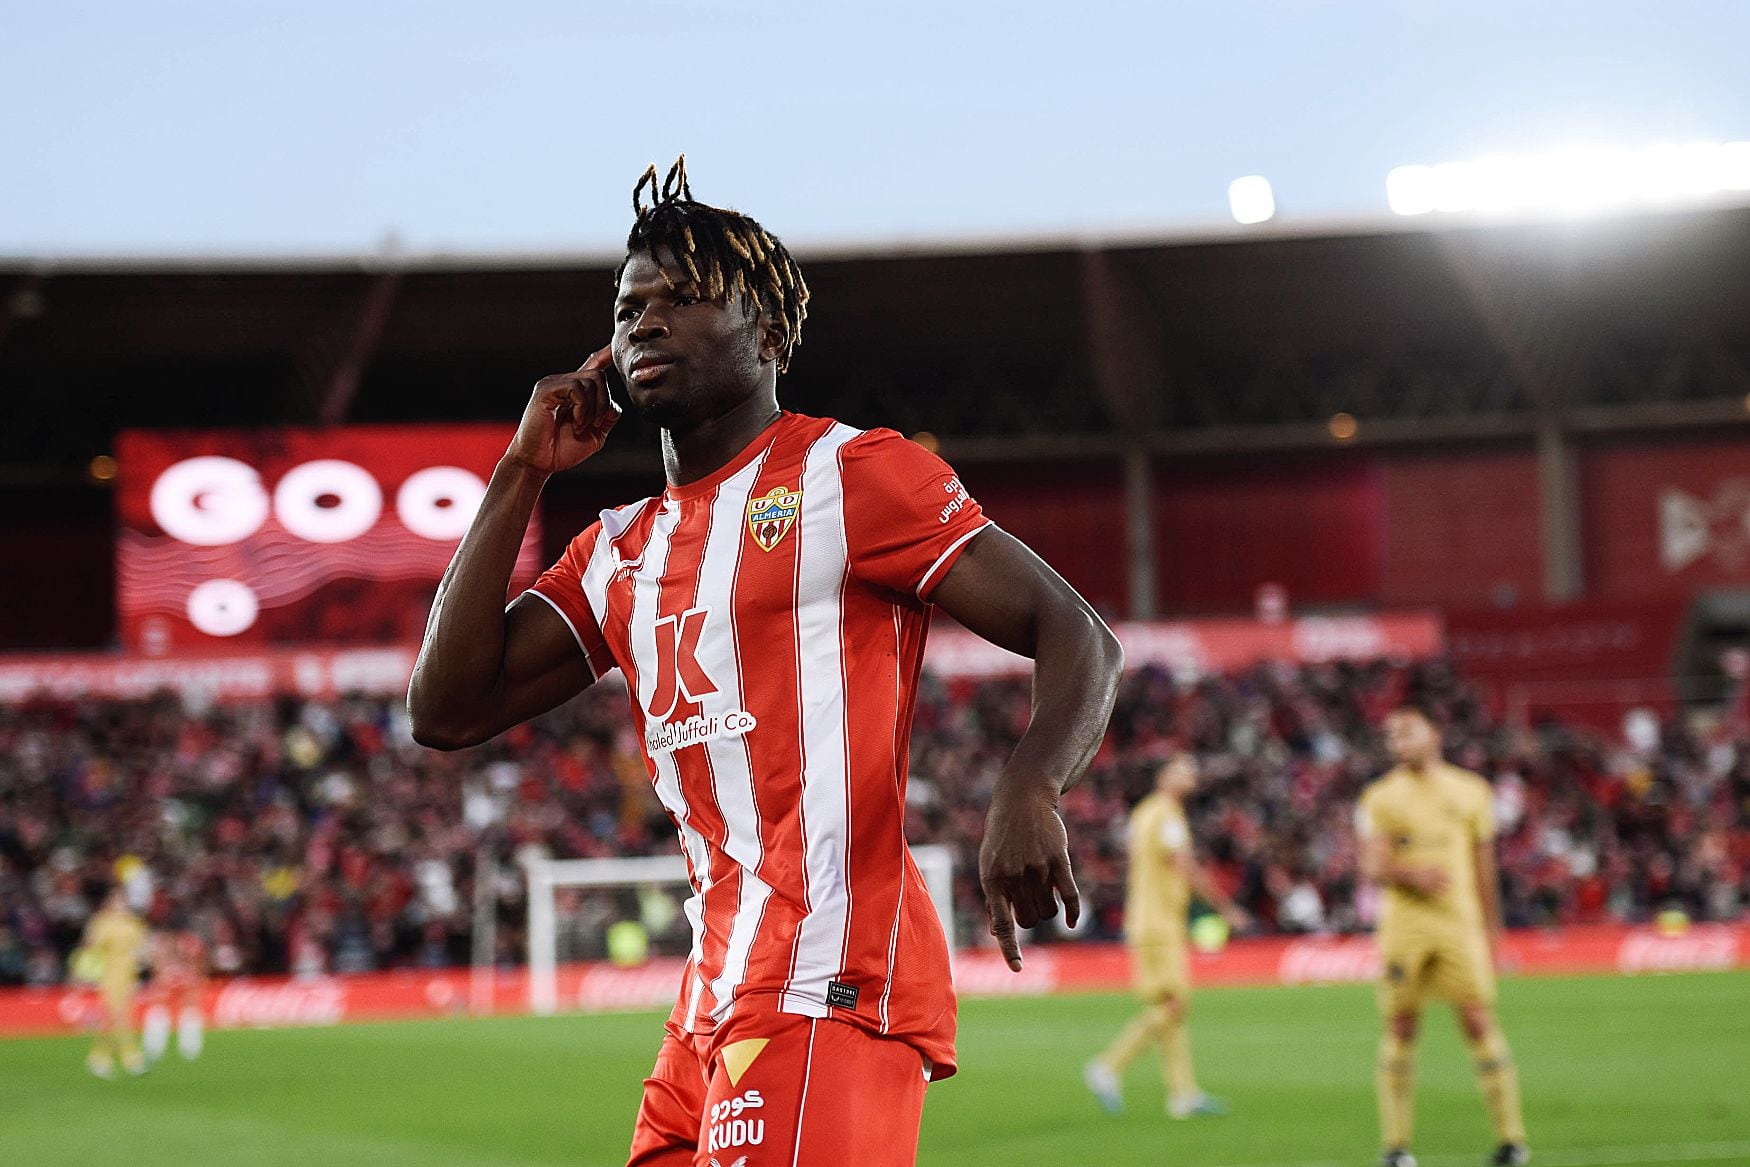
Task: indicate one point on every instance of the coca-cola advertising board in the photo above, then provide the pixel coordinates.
(233, 538)
(598, 987)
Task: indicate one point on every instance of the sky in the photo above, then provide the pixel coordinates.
(237, 127)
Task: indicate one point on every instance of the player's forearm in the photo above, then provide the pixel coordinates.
(1205, 885)
(1383, 872)
(462, 657)
(1077, 663)
(1489, 891)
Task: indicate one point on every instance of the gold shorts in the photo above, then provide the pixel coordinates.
(118, 997)
(1161, 969)
(1426, 966)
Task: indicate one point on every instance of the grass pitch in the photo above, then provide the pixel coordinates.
(1638, 1072)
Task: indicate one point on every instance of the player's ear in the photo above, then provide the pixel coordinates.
(772, 337)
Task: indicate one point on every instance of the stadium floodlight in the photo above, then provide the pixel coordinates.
(1251, 199)
(1573, 180)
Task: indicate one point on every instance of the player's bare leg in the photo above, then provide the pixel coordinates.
(1185, 1099)
(1105, 1074)
(1497, 1082)
(1395, 1082)
(101, 1059)
(127, 1042)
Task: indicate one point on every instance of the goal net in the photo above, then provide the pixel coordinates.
(628, 910)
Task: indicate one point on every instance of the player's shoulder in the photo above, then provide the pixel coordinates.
(1469, 780)
(1382, 786)
(879, 448)
(616, 521)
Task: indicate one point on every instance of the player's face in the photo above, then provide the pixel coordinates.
(1411, 739)
(1179, 776)
(684, 360)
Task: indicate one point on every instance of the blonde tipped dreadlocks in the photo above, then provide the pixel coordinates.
(722, 253)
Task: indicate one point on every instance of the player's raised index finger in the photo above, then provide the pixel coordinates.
(1002, 926)
(599, 359)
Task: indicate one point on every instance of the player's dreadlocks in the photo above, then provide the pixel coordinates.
(719, 251)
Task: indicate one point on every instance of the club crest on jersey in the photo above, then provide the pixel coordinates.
(770, 516)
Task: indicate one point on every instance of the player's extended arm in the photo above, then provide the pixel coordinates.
(483, 669)
(1203, 882)
(1008, 595)
(1489, 889)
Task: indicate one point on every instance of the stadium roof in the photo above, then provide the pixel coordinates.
(1020, 348)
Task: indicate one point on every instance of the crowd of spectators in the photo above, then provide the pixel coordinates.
(305, 836)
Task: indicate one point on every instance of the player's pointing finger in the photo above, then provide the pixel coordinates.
(1002, 926)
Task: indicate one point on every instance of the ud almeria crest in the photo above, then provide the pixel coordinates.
(770, 517)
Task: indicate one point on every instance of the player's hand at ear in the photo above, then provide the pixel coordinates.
(568, 417)
(1024, 868)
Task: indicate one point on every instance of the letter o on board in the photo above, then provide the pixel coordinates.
(298, 501)
(209, 501)
(439, 502)
(222, 607)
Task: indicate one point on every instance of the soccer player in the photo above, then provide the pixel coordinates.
(115, 938)
(179, 976)
(1427, 833)
(1163, 873)
(768, 610)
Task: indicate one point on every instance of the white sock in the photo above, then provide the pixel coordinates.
(155, 1034)
(189, 1034)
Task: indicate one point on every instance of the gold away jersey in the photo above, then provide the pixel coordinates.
(1159, 895)
(1434, 819)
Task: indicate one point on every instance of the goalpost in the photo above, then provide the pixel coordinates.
(547, 878)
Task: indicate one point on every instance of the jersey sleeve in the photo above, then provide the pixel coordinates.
(1175, 835)
(907, 516)
(564, 589)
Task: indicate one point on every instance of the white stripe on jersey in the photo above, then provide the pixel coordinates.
(750, 910)
(731, 761)
(646, 596)
(604, 560)
(822, 556)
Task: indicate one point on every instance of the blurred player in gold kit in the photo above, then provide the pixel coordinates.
(1163, 873)
(1427, 832)
(114, 944)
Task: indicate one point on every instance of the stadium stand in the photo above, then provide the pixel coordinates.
(305, 836)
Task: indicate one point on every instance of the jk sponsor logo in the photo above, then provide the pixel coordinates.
(678, 735)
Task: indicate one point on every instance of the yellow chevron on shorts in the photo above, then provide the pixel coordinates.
(739, 1055)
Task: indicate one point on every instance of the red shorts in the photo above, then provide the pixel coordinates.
(781, 1091)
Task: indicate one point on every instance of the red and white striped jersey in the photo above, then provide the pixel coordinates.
(770, 622)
